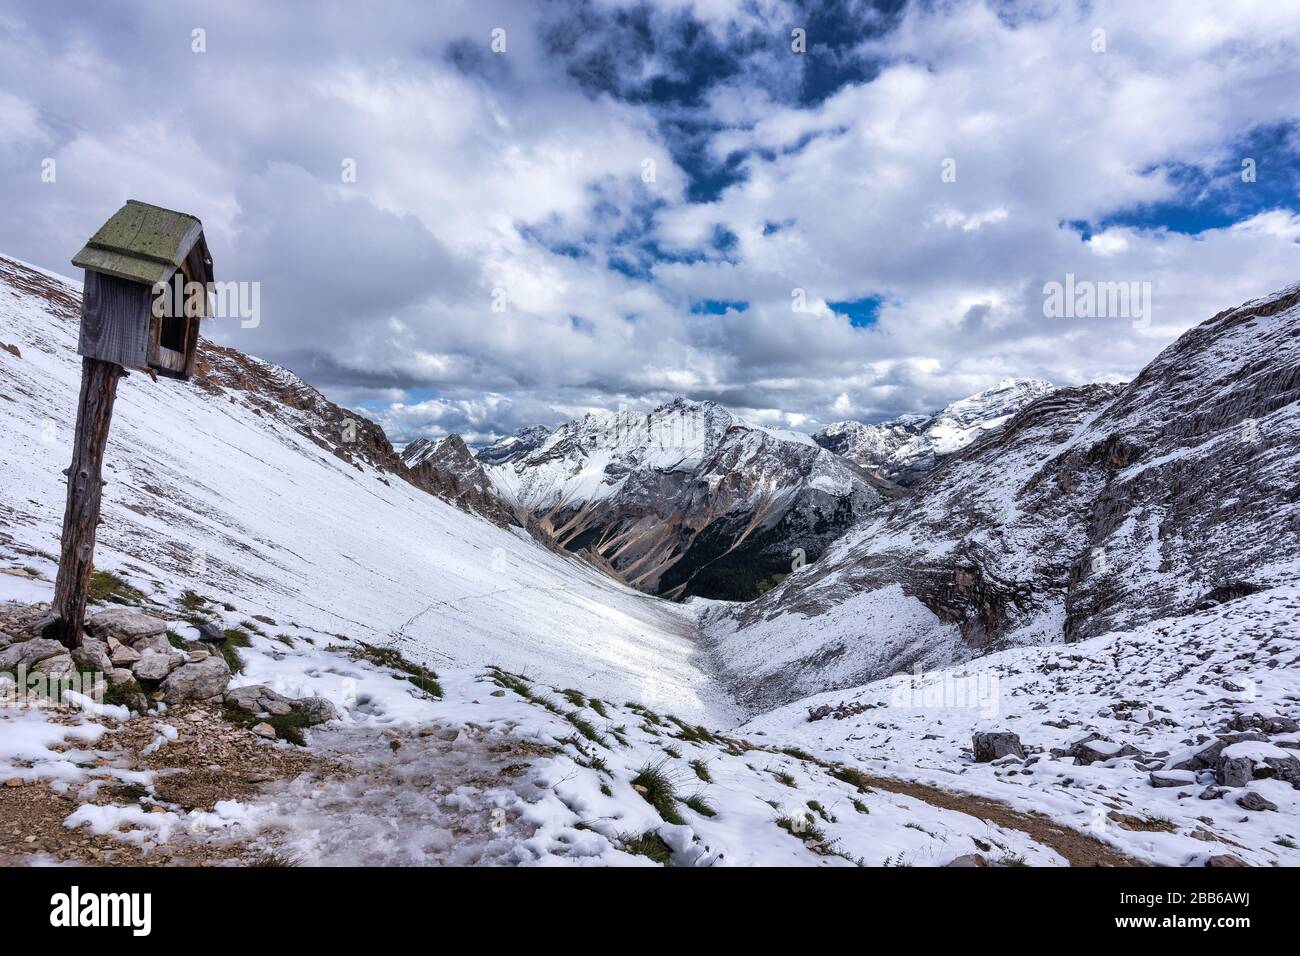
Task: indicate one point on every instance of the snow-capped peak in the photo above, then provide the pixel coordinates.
(908, 446)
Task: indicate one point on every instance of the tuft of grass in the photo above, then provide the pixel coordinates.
(105, 586)
(673, 752)
(604, 788)
(700, 805)
(238, 637)
(130, 793)
(192, 602)
(650, 845)
(854, 778)
(818, 809)
(701, 770)
(693, 734)
(422, 677)
(284, 639)
(598, 707)
(574, 697)
(1012, 861)
(119, 694)
(659, 791)
(585, 728)
(804, 828)
(252, 626)
(1286, 842)
(175, 640)
(273, 858)
(860, 806)
(786, 778)
(228, 606)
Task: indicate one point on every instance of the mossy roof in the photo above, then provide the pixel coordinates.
(142, 243)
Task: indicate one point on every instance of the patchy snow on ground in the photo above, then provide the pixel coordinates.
(1164, 688)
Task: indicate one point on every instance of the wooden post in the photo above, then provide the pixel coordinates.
(85, 485)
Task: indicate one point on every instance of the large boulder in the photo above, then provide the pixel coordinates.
(29, 653)
(125, 624)
(197, 681)
(993, 744)
(56, 666)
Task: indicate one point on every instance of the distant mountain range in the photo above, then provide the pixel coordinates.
(1092, 509)
(905, 448)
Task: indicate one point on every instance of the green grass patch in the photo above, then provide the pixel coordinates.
(175, 640)
(656, 786)
(192, 602)
(806, 829)
(700, 805)
(574, 697)
(786, 778)
(650, 845)
(106, 587)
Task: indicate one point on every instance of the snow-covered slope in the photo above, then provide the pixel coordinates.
(688, 499)
(1094, 509)
(1154, 694)
(243, 487)
(905, 448)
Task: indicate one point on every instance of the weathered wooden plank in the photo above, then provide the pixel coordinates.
(85, 487)
(114, 321)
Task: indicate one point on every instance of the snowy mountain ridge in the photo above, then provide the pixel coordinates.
(907, 447)
(687, 499)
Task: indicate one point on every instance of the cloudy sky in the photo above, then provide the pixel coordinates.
(633, 200)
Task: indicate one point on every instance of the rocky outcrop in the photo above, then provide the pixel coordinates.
(448, 469)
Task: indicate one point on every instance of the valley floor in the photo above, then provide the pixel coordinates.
(491, 767)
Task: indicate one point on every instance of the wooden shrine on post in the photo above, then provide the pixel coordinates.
(147, 272)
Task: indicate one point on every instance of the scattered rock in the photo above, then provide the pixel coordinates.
(123, 656)
(154, 667)
(28, 653)
(125, 624)
(1225, 859)
(197, 681)
(969, 859)
(1235, 771)
(93, 654)
(119, 676)
(1263, 723)
(1250, 800)
(317, 710)
(990, 745)
(1172, 778)
(264, 730)
(60, 665)
(209, 633)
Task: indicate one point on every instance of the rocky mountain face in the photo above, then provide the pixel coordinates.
(688, 499)
(1092, 509)
(905, 448)
(448, 469)
(513, 446)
